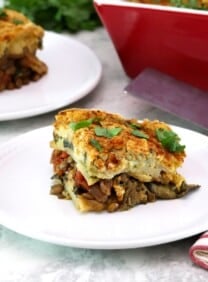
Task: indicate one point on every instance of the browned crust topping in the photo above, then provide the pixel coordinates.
(114, 150)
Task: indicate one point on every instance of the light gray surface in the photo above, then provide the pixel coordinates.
(27, 260)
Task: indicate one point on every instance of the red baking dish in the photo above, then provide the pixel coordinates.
(171, 40)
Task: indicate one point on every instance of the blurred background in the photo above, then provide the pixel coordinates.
(58, 15)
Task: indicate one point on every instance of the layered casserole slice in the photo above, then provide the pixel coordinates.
(103, 161)
(19, 41)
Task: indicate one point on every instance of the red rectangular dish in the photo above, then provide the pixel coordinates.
(170, 39)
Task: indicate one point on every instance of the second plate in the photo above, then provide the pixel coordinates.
(73, 71)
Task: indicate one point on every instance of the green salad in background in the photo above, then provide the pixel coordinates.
(58, 15)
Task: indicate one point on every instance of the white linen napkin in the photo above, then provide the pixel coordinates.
(199, 251)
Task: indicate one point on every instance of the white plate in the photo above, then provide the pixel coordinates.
(27, 208)
(73, 71)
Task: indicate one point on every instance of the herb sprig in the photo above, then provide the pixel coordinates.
(58, 15)
(81, 124)
(140, 134)
(17, 22)
(3, 14)
(170, 140)
(107, 132)
(96, 144)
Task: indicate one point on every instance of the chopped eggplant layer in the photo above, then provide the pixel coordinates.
(120, 193)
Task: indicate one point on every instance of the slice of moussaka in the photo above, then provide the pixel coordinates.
(19, 41)
(103, 161)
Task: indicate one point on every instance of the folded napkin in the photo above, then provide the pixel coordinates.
(199, 251)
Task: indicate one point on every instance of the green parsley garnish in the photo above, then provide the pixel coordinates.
(81, 124)
(107, 132)
(3, 14)
(139, 133)
(170, 140)
(58, 15)
(17, 22)
(135, 126)
(96, 144)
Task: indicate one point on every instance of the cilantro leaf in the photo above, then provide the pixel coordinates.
(140, 134)
(81, 124)
(170, 140)
(17, 22)
(96, 144)
(3, 14)
(107, 132)
(135, 126)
